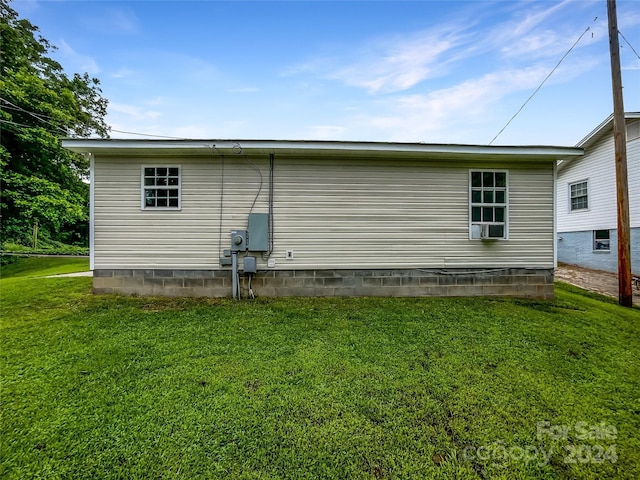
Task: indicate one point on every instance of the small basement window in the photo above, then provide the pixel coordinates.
(488, 204)
(161, 188)
(578, 194)
(601, 240)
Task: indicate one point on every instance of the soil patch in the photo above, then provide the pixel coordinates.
(604, 283)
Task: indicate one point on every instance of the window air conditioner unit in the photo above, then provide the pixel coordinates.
(484, 231)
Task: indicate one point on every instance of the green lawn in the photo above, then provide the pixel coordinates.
(43, 266)
(113, 387)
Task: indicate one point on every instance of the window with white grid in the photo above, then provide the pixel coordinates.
(161, 188)
(579, 195)
(488, 204)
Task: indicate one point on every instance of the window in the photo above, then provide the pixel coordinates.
(601, 241)
(578, 195)
(161, 188)
(488, 204)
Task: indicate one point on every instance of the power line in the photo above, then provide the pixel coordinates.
(147, 134)
(630, 46)
(44, 118)
(540, 86)
(10, 107)
(19, 124)
(34, 115)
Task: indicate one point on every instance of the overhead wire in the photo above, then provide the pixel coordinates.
(34, 115)
(630, 46)
(147, 134)
(46, 119)
(9, 106)
(214, 149)
(541, 84)
(237, 149)
(18, 124)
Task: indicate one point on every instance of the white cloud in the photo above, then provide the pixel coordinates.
(191, 131)
(389, 65)
(534, 17)
(25, 7)
(120, 20)
(185, 69)
(534, 46)
(133, 112)
(435, 116)
(326, 132)
(112, 20)
(399, 65)
(77, 61)
(122, 73)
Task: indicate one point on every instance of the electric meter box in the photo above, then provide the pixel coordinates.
(238, 240)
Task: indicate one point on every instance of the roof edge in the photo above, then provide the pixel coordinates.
(596, 131)
(595, 134)
(89, 145)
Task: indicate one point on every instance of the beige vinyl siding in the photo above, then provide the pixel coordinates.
(128, 237)
(333, 213)
(358, 214)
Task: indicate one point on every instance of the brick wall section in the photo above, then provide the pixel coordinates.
(513, 282)
(576, 248)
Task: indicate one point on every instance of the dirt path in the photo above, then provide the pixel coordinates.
(597, 281)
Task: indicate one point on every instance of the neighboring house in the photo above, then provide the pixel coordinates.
(586, 200)
(321, 218)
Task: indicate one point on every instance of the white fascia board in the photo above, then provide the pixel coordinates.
(113, 147)
(92, 216)
(595, 135)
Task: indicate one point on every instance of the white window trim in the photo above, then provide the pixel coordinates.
(585, 180)
(593, 241)
(92, 212)
(179, 188)
(506, 205)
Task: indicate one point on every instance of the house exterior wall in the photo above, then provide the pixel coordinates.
(598, 168)
(336, 215)
(576, 248)
(576, 228)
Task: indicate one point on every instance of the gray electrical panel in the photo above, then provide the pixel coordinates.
(249, 265)
(258, 232)
(238, 240)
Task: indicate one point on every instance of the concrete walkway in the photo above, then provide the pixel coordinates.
(76, 274)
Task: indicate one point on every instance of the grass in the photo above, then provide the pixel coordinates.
(113, 387)
(46, 247)
(43, 266)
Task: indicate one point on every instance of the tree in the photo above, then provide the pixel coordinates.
(42, 184)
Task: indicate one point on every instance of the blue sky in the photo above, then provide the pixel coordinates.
(416, 71)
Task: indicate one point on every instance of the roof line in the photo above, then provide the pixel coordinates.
(594, 135)
(596, 131)
(92, 145)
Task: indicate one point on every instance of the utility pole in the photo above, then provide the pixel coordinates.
(625, 292)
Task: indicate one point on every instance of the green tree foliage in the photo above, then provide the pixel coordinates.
(42, 183)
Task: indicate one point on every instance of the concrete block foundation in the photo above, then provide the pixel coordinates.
(512, 282)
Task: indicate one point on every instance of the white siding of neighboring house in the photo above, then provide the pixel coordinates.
(598, 167)
(333, 213)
